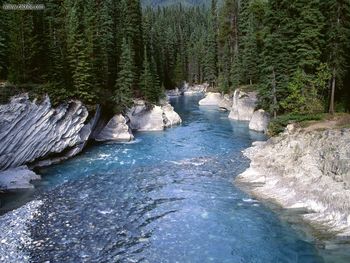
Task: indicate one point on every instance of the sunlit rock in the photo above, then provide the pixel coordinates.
(260, 121)
(195, 89)
(243, 106)
(17, 178)
(152, 118)
(170, 117)
(31, 130)
(225, 103)
(211, 99)
(116, 130)
(305, 170)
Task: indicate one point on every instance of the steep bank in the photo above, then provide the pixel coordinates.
(31, 131)
(36, 134)
(305, 169)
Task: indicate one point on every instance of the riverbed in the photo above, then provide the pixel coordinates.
(165, 197)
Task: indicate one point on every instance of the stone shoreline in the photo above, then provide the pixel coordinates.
(308, 171)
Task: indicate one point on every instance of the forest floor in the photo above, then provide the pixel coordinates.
(337, 121)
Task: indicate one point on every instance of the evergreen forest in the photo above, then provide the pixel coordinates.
(294, 53)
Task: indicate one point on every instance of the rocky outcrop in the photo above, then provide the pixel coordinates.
(30, 131)
(17, 178)
(173, 93)
(305, 170)
(243, 106)
(195, 89)
(260, 121)
(211, 99)
(225, 103)
(116, 130)
(152, 118)
(170, 117)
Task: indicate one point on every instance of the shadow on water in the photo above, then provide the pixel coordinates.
(168, 197)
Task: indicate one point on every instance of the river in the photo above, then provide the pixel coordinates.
(166, 197)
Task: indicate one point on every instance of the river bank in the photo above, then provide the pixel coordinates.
(305, 170)
(168, 196)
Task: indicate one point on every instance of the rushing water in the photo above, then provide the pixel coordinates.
(167, 197)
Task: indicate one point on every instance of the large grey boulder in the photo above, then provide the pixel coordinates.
(116, 130)
(243, 105)
(151, 118)
(211, 99)
(18, 178)
(30, 131)
(260, 121)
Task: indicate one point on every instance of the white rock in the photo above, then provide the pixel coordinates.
(211, 99)
(170, 117)
(149, 120)
(226, 103)
(305, 169)
(17, 178)
(173, 93)
(116, 130)
(243, 106)
(260, 121)
(195, 89)
(154, 119)
(31, 131)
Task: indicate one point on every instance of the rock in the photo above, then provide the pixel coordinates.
(17, 179)
(116, 130)
(211, 99)
(85, 136)
(173, 93)
(170, 117)
(303, 169)
(243, 106)
(260, 121)
(31, 131)
(155, 118)
(226, 103)
(195, 89)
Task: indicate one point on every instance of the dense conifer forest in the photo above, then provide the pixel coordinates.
(294, 53)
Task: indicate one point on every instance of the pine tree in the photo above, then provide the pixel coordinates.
(210, 64)
(146, 81)
(23, 46)
(178, 72)
(309, 40)
(125, 80)
(249, 57)
(278, 55)
(229, 45)
(338, 45)
(3, 42)
(132, 26)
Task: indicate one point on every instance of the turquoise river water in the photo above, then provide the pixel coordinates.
(166, 197)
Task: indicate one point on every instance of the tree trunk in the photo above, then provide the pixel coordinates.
(274, 93)
(331, 104)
